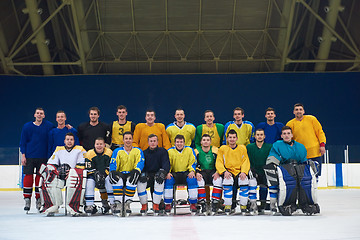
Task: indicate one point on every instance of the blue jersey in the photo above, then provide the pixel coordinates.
(57, 137)
(272, 132)
(34, 139)
(283, 152)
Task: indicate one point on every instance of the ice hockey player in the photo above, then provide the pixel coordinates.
(205, 171)
(126, 165)
(65, 165)
(97, 163)
(291, 177)
(157, 166)
(233, 165)
(182, 171)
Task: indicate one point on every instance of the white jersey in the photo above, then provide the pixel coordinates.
(72, 157)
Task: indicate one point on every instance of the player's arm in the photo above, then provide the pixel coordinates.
(319, 132)
(198, 134)
(252, 133)
(225, 130)
(245, 166)
(165, 138)
(137, 135)
(113, 163)
(219, 163)
(165, 162)
(192, 161)
(140, 161)
(220, 128)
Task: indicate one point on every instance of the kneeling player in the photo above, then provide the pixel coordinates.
(97, 162)
(232, 163)
(182, 171)
(291, 175)
(156, 168)
(205, 170)
(66, 164)
(126, 165)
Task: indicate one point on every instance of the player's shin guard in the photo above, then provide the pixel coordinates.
(228, 190)
(109, 190)
(158, 192)
(217, 189)
(142, 193)
(129, 190)
(201, 191)
(307, 189)
(288, 188)
(192, 189)
(168, 192)
(244, 191)
(75, 186)
(89, 192)
(118, 189)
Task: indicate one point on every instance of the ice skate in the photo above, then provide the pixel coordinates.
(38, 204)
(204, 209)
(90, 210)
(27, 205)
(214, 207)
(167, 209)
(244, 210)
(193, 209)
(144, 209)
(118, 208)
(105, 206)
(253, 209)
(227, 209)
(156, 209)
(127, 208)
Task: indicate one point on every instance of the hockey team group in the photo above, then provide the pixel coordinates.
(241, 163)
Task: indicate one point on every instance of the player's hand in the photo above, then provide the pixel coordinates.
(68, 126)
(227, 175)
(322, 150)
(191, 174)
(199, 176)
(242, 176)
(169, 176)
(23, 160)
(215, 175)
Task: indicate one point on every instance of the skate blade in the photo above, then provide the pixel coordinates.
(51, 214)
(193, 213)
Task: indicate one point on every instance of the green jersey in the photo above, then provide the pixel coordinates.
(258, 156)
(206, 160)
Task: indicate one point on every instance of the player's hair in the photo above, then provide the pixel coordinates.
(299, 105)
(100, 139)
(151, 110)
(70, 134)
(239, 109)
(286, 128)
(40, 108)
(205, 135)
(121, 107)
(269, 109)
(127, 133)
(180, 137)
(260, 130)
(60, 111)
(94, 109)
(152, 135)
(180, 109)
(207, 111)
(232, 131)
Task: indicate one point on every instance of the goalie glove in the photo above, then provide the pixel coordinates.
(134, 176)
(99, 180)
(114, 177)
(160, 176)
(64, 171)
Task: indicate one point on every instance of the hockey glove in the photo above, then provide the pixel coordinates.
(64, 171)
(143, 178)
(99, 180)
(134, 176)
(160, 176)
(114, 177)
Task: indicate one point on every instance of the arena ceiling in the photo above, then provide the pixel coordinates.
(49, 37)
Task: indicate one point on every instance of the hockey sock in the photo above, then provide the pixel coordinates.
(158, 192)
(216, 194)
(201, 190)
(193, 190)
(103, 194)
(129, 191)
(142, 193)
(252, 189)
(168, 192)
(263, 192)
(28, 185)
(37, 187)
(228, 192)
(89, 192)
(244, 191)
(273, 191)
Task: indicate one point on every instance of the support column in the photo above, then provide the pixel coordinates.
(40, 39)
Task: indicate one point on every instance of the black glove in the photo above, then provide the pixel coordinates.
(64, 171)
(160, 176)
(114, 177)
(99, 180)
(134, 176)
(143, 178)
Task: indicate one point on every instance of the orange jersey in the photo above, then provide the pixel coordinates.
(142, 131)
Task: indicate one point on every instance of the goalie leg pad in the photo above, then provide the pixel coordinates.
(75, 186)
(287, 185)
(52, 196)
(192, 189)
(307, 189)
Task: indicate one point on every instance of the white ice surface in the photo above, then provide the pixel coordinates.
(339, 219)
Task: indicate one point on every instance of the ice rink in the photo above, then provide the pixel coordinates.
(339, 219)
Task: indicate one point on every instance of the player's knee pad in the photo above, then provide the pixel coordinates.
(287, 184)
(201, 183)
(191, 183)
(228, 181)
(75, 184)
(218, 182)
